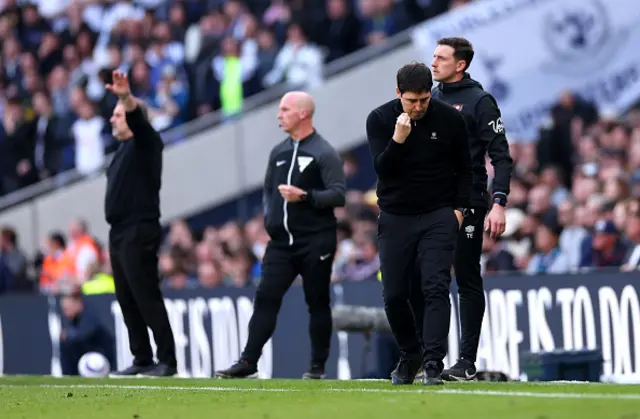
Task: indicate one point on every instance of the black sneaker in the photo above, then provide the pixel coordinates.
(316, 372)
(132, 371)
(432, 374)
(160, 370)
(405, 372)
(463, 370)
(241, 369)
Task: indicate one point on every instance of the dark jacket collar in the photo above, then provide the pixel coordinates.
(464, 83)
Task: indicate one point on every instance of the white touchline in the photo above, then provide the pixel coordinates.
(593, 396)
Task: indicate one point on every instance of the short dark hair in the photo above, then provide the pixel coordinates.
(415, 78)
(9, 234)
(58, 238)
(462, 49)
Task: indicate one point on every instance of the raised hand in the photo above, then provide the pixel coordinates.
(120, 86)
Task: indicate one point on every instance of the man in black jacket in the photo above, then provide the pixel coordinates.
(452, 58)
(132, 209)
(420, 150)
(303, 184)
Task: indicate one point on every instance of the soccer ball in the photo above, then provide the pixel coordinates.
(93, 364)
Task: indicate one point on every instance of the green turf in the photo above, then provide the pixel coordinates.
(45, 397)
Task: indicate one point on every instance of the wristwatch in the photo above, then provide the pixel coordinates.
(500, 199)
(304, 196)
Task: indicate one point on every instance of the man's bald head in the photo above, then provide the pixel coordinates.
(301, 101)
(296, 114)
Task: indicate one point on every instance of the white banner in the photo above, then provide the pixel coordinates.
(528, 51)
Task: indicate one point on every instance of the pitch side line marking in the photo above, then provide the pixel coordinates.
(593, 396)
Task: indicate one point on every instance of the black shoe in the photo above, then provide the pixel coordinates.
(132, 371)
(241, 369)
(463, 370)
(316, 372)
(160, 370)
(432, 374)
(405, 372)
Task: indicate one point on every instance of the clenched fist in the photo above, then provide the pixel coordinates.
(403, 128)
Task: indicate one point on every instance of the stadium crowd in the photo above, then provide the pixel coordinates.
(185, 58)
(574, 205)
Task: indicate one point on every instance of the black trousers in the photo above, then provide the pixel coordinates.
(469, 281)
(427, 240)
(134, 261)
(312, 259)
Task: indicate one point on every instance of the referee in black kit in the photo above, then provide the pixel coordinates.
(132, 209)
(451, 60)
(304, 182)
(420, 149)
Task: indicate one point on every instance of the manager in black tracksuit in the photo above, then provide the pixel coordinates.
(132, 209)
(304, 182)
(420, 149)
(486, 132)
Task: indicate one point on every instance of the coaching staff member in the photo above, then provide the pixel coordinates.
(420, 149)
(451, 60)
(303, 184)
(132, 208)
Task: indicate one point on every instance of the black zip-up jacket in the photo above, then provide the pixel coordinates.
(134, 175)
(486, 133)
(431, 170)
(314, 166)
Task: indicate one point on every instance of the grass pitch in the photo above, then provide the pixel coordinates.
(69, 398)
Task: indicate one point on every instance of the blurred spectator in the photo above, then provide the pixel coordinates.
(170, 102)
(232, 68)
(496, 257)
(82, 251)
(55, 265)
(363, 262)
(604, 248)
(631, 260)
(553, 178)
(87, 133)
(573, 232)
(100, 277)
(340, 30)
(344, 249)
(209, 275)
(82, 332)
(381, 19)
(13, 260)
(299, 62)
(51, 137)
(549, 257)
(18, 130)
(540, 201)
